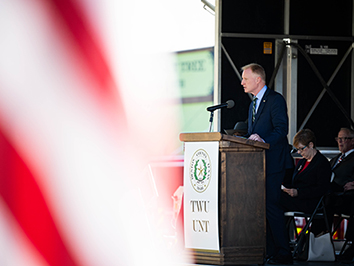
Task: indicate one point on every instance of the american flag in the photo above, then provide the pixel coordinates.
(84, 86)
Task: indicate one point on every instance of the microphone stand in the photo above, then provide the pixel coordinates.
(211, 120)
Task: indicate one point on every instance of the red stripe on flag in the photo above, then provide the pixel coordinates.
(21, 193)
(87, 45)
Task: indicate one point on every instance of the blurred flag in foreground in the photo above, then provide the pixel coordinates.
(86, 99)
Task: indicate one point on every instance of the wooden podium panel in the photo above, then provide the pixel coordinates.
(242, 222)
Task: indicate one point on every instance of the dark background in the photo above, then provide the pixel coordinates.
(315, 23)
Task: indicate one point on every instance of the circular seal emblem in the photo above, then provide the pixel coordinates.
(199, 171)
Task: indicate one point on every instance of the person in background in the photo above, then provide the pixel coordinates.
(341, 200)
(268, 122)
(310, 180)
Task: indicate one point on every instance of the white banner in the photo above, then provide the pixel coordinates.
(201, 162)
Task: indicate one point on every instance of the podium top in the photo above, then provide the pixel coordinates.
(217, 136)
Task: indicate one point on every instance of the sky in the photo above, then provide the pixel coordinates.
(195, 27)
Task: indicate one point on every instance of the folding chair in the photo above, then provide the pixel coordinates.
(335, 228)
(318, 213)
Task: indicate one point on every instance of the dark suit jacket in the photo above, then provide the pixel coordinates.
(342, 202)
(343, 172)
(312, 183)
(271, 124)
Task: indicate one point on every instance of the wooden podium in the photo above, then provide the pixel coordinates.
(241, 201)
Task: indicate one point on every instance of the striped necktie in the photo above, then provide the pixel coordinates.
(254, 108)
(341, 158)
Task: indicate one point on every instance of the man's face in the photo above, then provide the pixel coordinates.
(250, 81)
(344, 142)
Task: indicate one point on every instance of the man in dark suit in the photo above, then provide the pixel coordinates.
(268, 122)
(341, 199)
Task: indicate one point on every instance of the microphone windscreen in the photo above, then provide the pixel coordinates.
(230, 103)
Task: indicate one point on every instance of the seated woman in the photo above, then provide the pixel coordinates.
(311, 177)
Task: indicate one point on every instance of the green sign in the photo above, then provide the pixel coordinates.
(196, 81)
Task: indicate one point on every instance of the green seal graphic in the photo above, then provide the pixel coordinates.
(200, 170)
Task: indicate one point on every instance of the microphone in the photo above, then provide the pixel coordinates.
(228, 104)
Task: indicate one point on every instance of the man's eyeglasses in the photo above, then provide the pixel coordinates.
(342, 139)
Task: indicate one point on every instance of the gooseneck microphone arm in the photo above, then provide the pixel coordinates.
(211, 120)
(211, 109)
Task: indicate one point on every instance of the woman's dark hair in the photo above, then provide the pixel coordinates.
(304, 136)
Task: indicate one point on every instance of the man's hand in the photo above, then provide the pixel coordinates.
(256, 137)
(349, 186)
